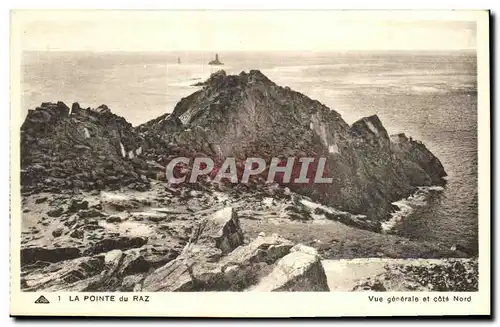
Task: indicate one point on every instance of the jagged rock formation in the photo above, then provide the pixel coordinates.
(299, 271)
(244, 115)
(215, 259)
(63, 148)
(247, 115)
(228, 265)
(404, 275)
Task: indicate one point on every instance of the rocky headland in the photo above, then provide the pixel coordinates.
(99, 215)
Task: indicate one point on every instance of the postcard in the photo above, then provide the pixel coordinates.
(204, 163)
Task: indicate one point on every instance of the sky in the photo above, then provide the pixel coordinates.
(242, 31)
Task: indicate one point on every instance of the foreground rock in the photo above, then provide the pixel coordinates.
(216, 258)
(221, 231)
(299, 271)
(204, 241)
(201, 268)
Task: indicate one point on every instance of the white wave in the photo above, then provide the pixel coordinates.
(404, 211)
(407, 206)
(426, 89)
(268, 201)
(186, 83)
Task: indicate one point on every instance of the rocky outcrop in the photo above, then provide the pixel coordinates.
(215, 78)
(76, 275)
(194, 268)
(419, 164)
(247, 115)
(221, 231)
(63, 148)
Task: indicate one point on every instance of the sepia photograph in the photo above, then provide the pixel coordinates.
(249, 151)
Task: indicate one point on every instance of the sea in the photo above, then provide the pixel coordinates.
(430, 96)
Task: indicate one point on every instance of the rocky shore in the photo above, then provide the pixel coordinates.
(99, 215)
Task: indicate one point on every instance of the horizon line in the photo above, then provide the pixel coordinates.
(285, 51)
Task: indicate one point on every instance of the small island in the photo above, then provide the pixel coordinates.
(216, 61)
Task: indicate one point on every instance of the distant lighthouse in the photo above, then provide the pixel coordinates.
(216, 61)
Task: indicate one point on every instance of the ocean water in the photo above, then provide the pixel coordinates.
(431, 97)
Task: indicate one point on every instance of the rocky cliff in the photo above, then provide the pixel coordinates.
(247, 115)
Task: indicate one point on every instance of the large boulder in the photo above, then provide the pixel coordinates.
(221, 231)
(174, 276)
(215, 259)
(266, 249)
(214, 236)
(300, 270)
(241, 268)
(246, 265)
(200, 267)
